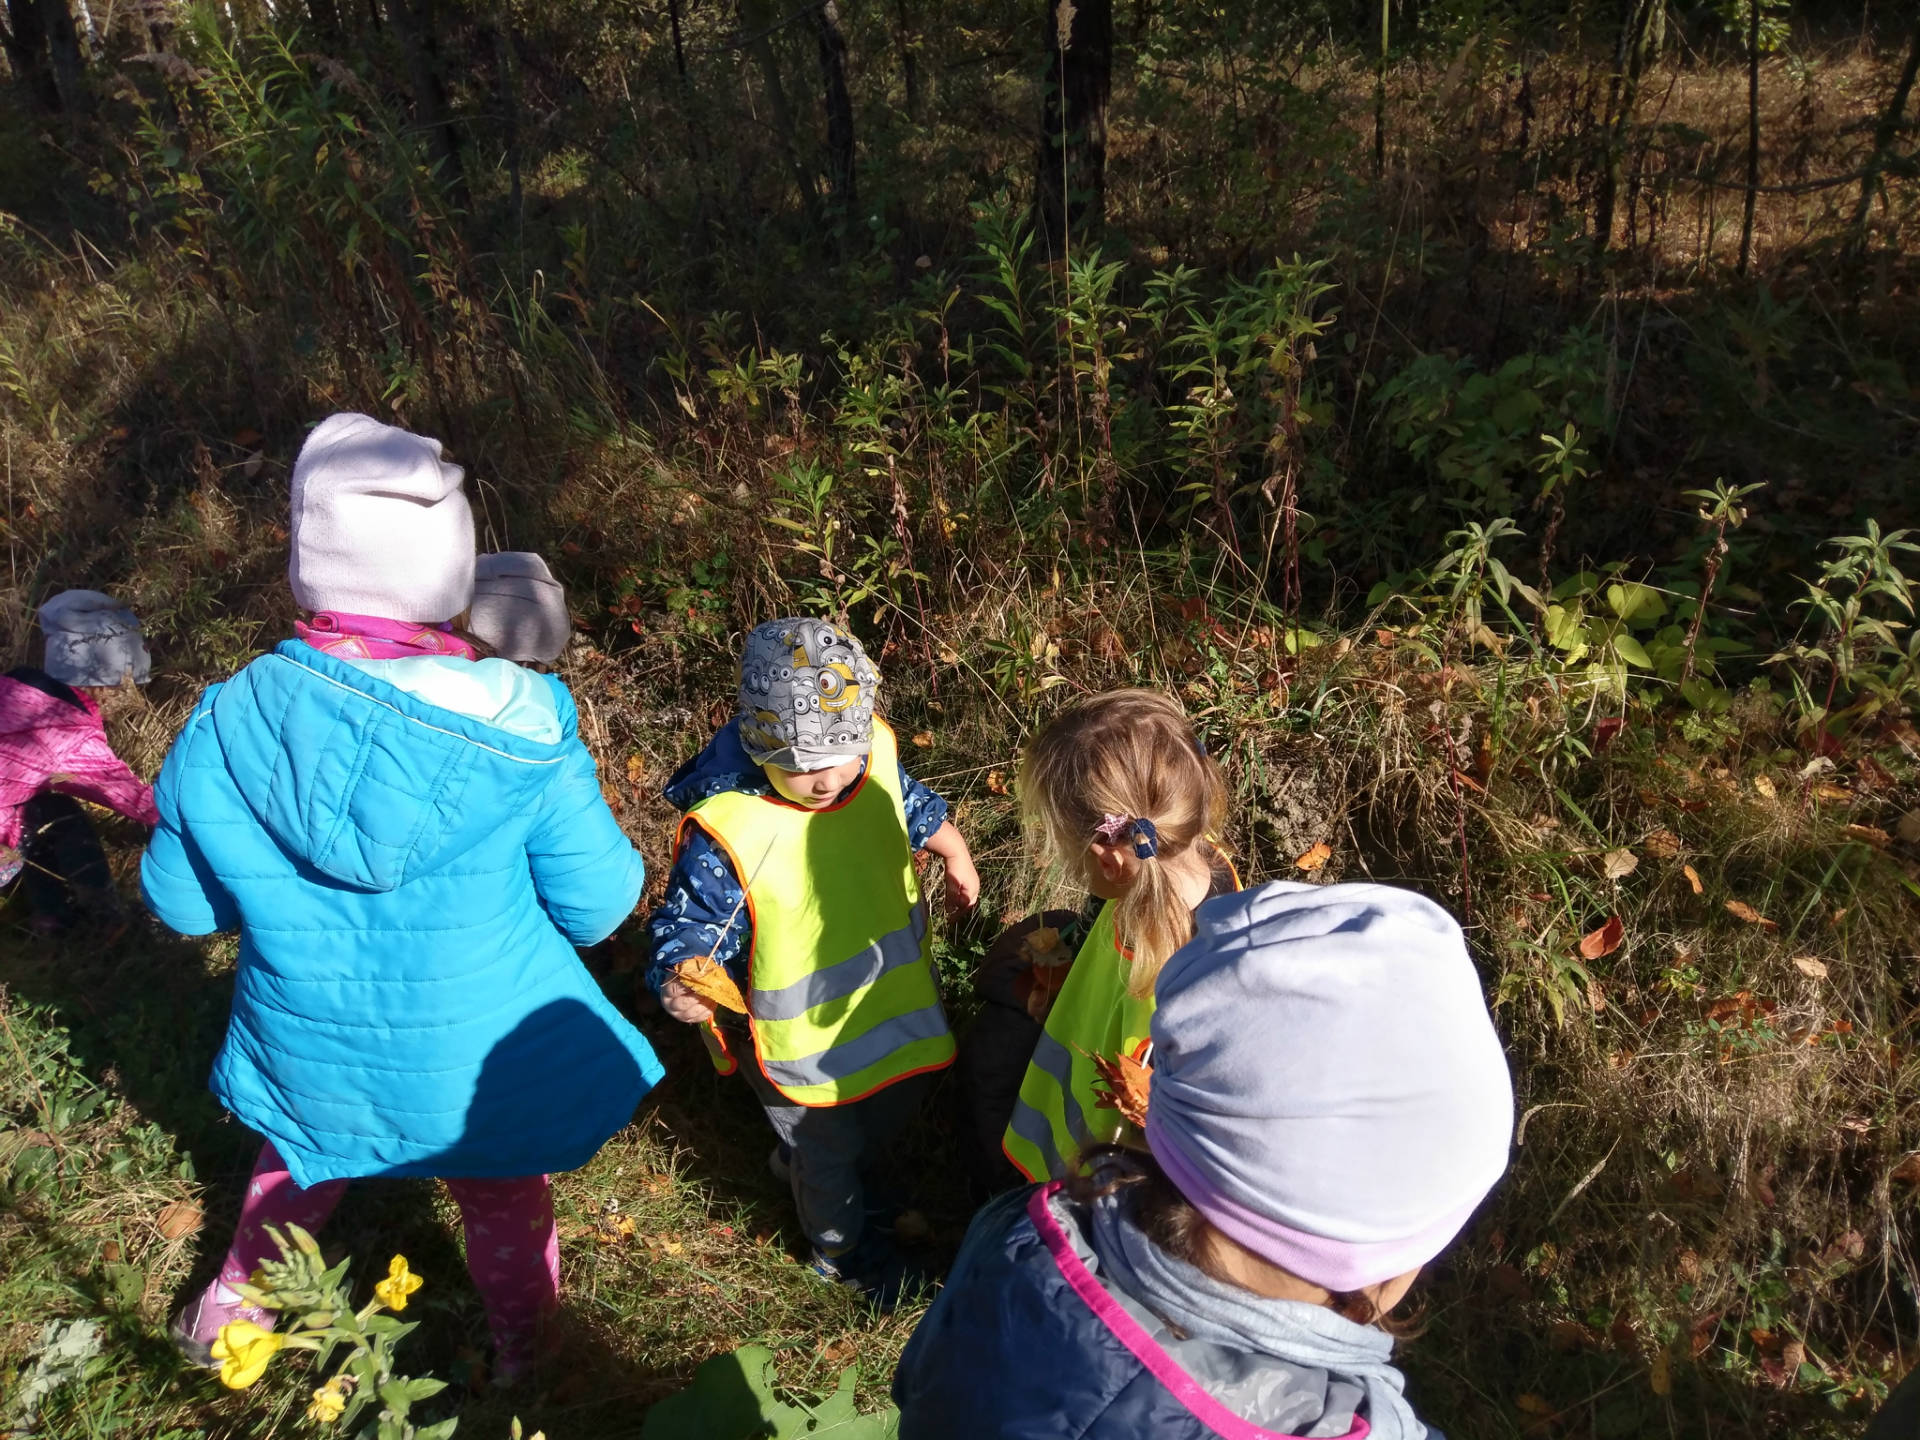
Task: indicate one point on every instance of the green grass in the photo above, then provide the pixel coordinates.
(1684, 1155)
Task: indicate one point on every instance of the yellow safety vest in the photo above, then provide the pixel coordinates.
(1058, 1114)
(840, 989)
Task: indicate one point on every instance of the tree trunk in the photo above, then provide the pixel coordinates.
(324, 15)
(1622, 93)
(26, 42)
(1753, 133)
(679, 45)
(1884, 135)
(909, 61)
(1070, 194)
(760, 45)
(839, 103)
(69, 67)
(413, 21)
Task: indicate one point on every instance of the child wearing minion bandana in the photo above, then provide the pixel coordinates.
(795, 872)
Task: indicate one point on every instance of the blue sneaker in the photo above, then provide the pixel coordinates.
(875, 1271)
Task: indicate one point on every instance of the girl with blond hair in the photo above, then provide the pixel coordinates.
(1123, 800)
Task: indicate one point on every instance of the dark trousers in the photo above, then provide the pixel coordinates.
(828, 1148)
(65, 874)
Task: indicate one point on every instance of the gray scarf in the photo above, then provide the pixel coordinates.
(1211, 1310)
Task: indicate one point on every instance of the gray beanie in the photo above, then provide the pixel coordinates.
(806, 695)
(93, 639)
(519, 609)
(380, 525)
(1328, 1088)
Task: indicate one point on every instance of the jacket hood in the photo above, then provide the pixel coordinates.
(722, 766)
(368, 784)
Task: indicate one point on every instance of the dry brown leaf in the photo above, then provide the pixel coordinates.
(1870, 834)
(1693, 879)
(1907, 1172)
(708, 978)
(1596, 944)
(1596, 997)
(1827, 791)
(924, 739)
(1532, 1405)
(636, 769)
(1316, 856)
(1740, 910)
(1662, 844)
(1764, 784)
(1660, 1374)
(1129, 1083)
(997, 782)
(1808, 966)
(182, 1217)
(1620, 863)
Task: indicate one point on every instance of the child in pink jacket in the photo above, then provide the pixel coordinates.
(53, 747)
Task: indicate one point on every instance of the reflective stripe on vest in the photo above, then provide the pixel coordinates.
(839, 979)
(1058, 1114)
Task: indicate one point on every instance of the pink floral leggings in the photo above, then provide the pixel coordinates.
(513, 1248)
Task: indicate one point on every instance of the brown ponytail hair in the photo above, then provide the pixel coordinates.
(1127, 752)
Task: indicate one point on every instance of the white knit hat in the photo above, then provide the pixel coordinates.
(92, 639)
(1328, 1088)
(380, 524)
(519, 609)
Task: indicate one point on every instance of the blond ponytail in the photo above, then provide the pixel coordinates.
(1131, 753)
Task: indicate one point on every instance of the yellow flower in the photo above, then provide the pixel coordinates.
(401, 1282)
(328, 1402)
(243, 1350)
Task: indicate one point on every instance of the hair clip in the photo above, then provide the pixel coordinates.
(1113, 828)
(1148, 845)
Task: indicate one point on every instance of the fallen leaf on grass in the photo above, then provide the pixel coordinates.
(636, 769)
(1870, 834)
(1740, 910)
(1793, 1355)
(1907, 1172)
(1596, 944)
(1662, 844)
(1693, 879)
(1316, 856)
(1532, 1405)
(1700, 1334)
(924, 739)
(182, 1217)
(708, 978)
(1828, 791)
(1764, 784)
(1808, 966)
(997, 782)
(1660, 1374)
(1596, 997)
(1620, 863)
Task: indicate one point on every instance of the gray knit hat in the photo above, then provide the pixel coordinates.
(806, 695)
(92, 639)
(519, 609)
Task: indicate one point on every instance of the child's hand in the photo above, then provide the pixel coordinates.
(683, 1005)
(963, 883)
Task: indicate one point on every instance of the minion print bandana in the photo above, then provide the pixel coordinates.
(806, 695)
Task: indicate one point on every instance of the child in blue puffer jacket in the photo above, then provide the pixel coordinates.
(1329, 1104)
(411, 841)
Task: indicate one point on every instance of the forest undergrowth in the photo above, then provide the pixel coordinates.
(1561, 576)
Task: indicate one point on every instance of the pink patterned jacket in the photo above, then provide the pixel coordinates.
(48, 744)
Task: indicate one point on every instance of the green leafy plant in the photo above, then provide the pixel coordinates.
(317, 1314)
(736, 1396)
(1857, 605)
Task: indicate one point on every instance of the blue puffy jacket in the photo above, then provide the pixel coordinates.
(409, 883)
(1030, 1340)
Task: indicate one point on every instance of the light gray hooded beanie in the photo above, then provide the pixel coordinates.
(92, 639)
(519, 609)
